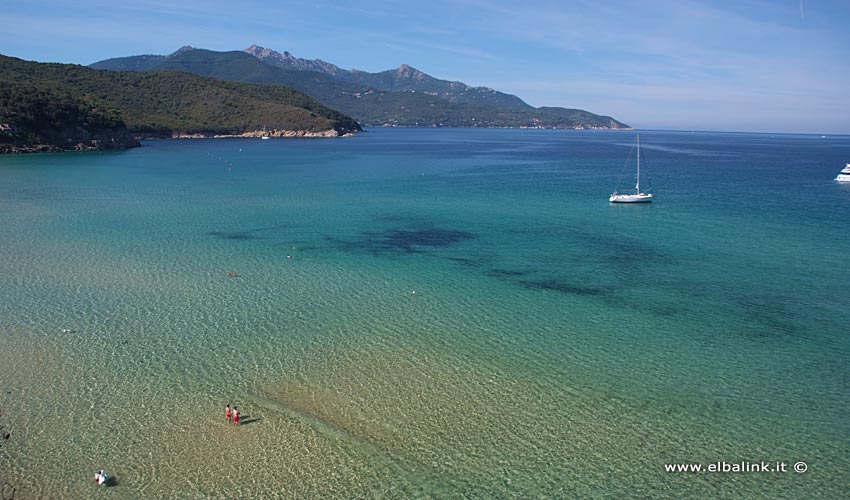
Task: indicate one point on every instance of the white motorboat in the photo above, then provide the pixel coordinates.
(844, 175)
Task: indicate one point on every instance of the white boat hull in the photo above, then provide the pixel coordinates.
(631, 198)
(844, 175)
(637, 196)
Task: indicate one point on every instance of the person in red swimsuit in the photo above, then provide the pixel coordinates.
(227, 413)
(235, 415)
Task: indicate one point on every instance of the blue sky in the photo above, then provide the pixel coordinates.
(748, 65)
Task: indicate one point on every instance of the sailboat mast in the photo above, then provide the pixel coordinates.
(638, 163)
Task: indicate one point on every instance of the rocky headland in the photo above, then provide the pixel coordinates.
(72, 138)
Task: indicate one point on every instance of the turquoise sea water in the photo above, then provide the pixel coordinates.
(556, 346)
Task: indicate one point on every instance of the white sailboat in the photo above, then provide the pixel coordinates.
(844, 175)
(637, 196)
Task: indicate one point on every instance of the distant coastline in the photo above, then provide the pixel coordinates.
(506, 127)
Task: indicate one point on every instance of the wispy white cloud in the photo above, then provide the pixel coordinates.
(442, 47)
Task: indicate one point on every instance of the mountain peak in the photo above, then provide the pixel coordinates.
(286, 60)
(185, 48)
(262, 52)
(407, 72)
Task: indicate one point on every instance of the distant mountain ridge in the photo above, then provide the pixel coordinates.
(403, 78)
(146, 62)
(286, 60)
(403, 96)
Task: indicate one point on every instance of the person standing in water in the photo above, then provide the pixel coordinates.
(227, 416)
(236, 415)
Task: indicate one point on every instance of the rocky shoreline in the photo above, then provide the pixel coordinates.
(73, 137)
(94, 145)
(53, 148)
(267, 133)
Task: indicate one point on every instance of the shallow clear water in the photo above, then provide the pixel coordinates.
(556, 346)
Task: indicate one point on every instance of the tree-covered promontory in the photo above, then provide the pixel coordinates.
(41, 102)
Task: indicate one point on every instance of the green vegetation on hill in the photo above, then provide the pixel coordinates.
(36, 120)
(168, 102)
(580, 116)
(132, 63)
